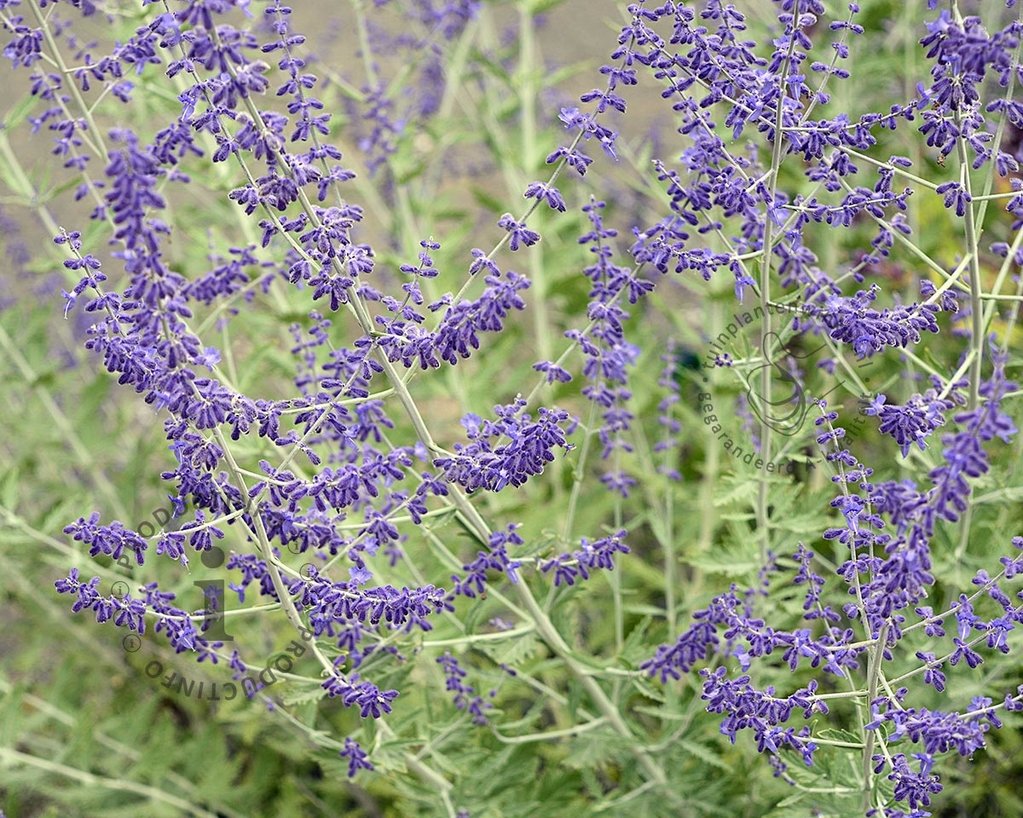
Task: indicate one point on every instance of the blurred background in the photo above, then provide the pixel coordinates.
(445, 122)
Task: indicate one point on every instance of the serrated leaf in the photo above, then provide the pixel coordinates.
(511, 652)
(293, 696)
(705, 754)
(648, 689)
(728, 560)
(593, 749)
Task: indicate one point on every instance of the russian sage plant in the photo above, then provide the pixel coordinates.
(516, 452)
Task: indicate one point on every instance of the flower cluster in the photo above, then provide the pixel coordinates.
(600, 553)
(464, 695)
(487, 463)
(307, 359)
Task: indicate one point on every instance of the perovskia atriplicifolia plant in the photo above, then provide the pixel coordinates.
(530, 451)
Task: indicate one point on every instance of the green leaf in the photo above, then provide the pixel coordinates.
(728, 560)
(9, 489)
(511, 652)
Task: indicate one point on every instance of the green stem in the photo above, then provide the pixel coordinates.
(873, 670)
(15, 757)
(763, 489)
